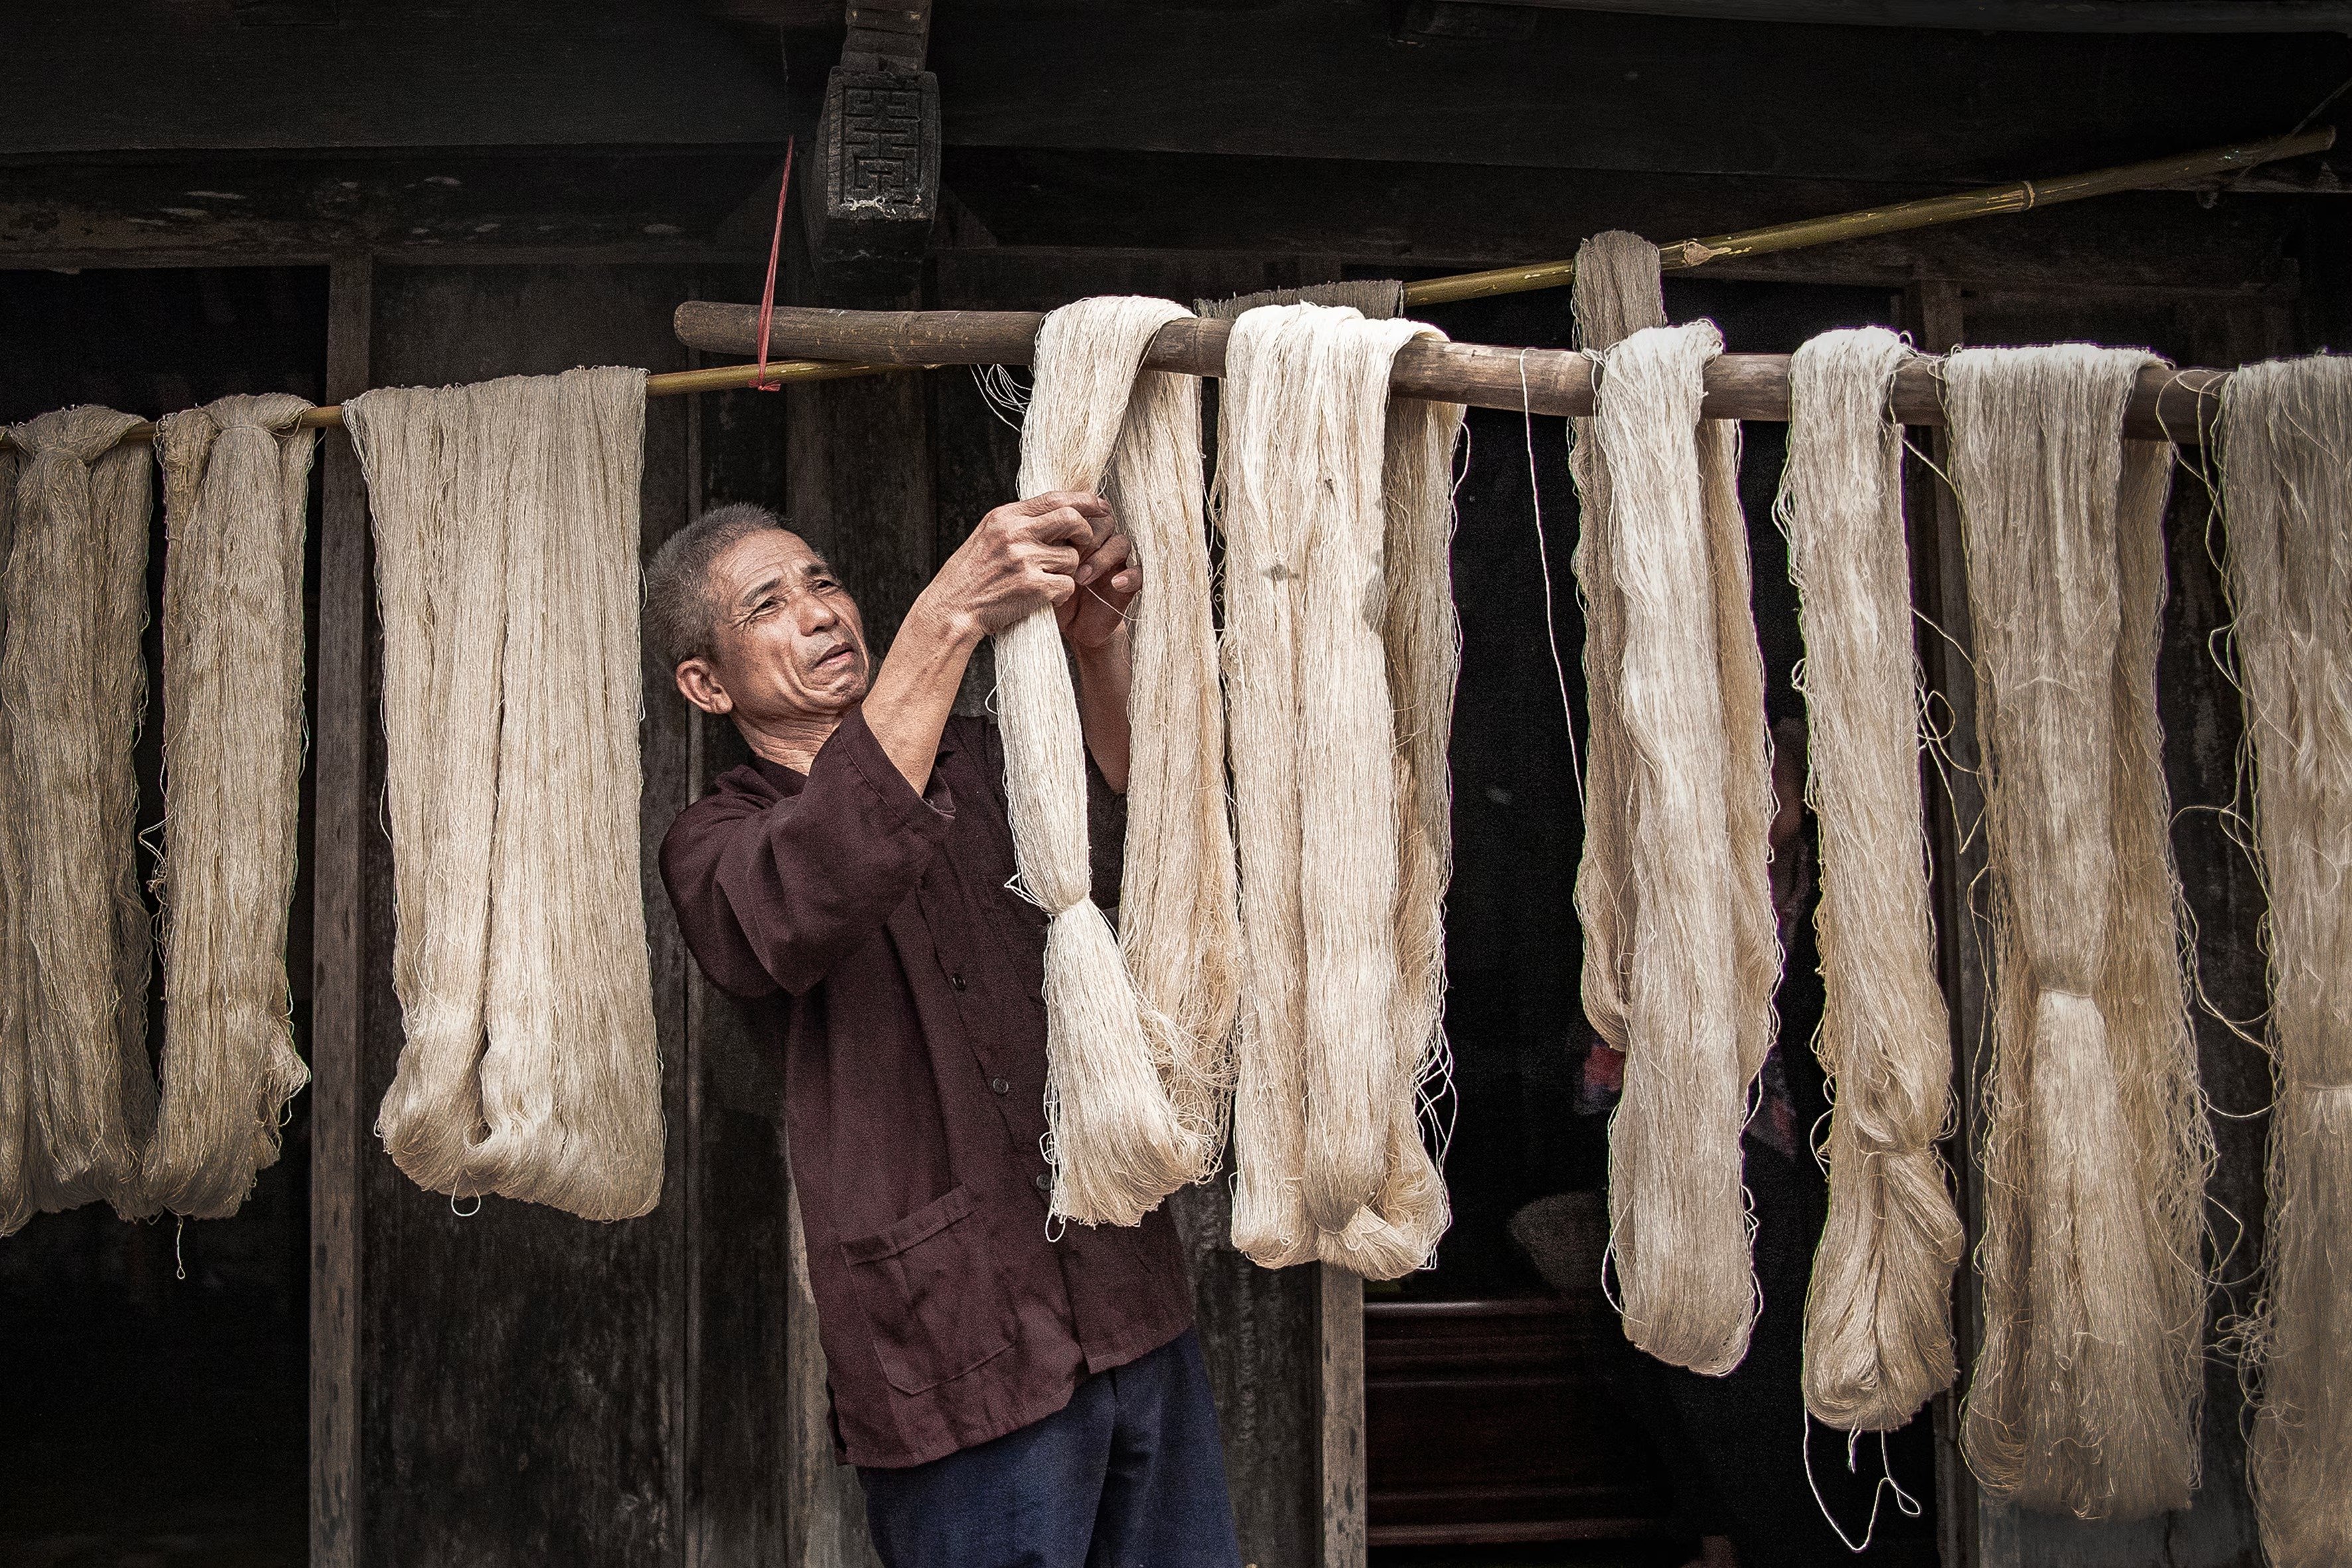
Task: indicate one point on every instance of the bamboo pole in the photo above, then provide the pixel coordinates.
(663, 383)
(2166, 403)
(2021, 195)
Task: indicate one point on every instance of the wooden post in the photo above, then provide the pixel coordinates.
(1341, 1299)
(338, 1005)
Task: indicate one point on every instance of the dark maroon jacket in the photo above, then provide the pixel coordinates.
(913, 1032)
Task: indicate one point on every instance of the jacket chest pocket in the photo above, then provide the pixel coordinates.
(933, 1303)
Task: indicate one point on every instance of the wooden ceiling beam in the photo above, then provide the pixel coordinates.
(1993, 15)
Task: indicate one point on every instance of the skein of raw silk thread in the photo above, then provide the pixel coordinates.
(441, 593)
(1616, 292)
(236, 493)
(1698, 1015)
(572, 1072)
(1118, 1143)
(2286, 453)
(1634, 752)
(506, 524)
(1399, 1231)
(74, 688)
(1179, 928)
(1330, 461)
(1265, 567)
(18, 1149)
(2086, 1398)
(1878, 1340)
(1329, 1058)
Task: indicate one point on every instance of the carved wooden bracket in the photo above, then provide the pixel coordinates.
(875, 185)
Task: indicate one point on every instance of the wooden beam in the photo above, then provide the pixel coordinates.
(1995, 15)
(2172, 404)
(1599, 91)
(146, 75)
(1410, 220)
(343, 809)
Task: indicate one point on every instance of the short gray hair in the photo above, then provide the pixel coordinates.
(681, 619)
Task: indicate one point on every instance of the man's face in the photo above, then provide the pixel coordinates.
(789, 643)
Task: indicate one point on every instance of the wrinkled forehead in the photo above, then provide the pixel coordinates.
(757, 563)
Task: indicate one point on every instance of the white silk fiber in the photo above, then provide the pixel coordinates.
(1681, 946)
(73, 687)
(2287, 492)
(1878, 1336)
(2086, 1393)
(1340, 653)
(236, 499)
(506, 524)
(1133, 1090)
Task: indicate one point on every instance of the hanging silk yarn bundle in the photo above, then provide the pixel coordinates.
(2286, 431)
(1336, 508)
(74, 692)
(236, 495)
(1133, 1098)
(2087, 1386)
(1682, 950)
(506, 523)
(1878, 1337)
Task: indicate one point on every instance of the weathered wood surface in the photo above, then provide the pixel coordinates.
(1414, 220)
(2173, 403)
(342, 682)
(1637, 93)
(2002, 15)
(155, 75)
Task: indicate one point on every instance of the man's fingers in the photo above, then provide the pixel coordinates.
(1108, 558)
(1083, 500)
(1059, 558)
(1065, 525)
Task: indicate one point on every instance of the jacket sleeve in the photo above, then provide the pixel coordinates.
(772, 894)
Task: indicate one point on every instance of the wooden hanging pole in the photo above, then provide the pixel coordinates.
(2168, 403)
(2021, 195)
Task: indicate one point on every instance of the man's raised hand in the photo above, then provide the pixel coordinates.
(1025, 554)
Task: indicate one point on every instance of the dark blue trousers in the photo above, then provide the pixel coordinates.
(1130, 1474)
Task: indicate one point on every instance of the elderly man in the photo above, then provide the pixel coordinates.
(1012, 1391)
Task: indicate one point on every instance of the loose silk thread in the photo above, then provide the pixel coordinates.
(74, 689)
(2087, 1392)
(2287, 492)
(1681, 946)
(235, 492)
(506, 523)
(1339, 655)
(1131, 1105)
(1878, 1337)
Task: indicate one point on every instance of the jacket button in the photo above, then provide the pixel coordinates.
(1002, 1086)
(956, 980)
(1044, 1180)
